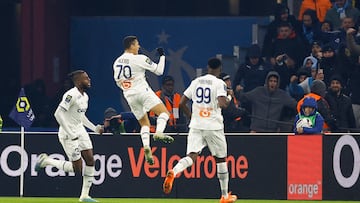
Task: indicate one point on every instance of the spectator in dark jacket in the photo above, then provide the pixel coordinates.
(233, 114)
(267, 103)
(253, 72)
(282, 15)
(340, 105)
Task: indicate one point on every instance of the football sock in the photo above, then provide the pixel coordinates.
(88, 177)
(145, 135)
(66, 166)
(223, 176)
(182, 165)
(161, 122)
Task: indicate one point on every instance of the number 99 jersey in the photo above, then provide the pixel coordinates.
(204, 92)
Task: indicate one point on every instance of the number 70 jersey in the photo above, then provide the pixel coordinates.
(129, 72)
(204, 92)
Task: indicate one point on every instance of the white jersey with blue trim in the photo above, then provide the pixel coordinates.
(204, 92)
(129, 72)
(75, 105)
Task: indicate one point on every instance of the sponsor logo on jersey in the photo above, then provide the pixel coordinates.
(68, 98)
(149, 61)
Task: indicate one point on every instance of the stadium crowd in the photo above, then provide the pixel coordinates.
(318, 45)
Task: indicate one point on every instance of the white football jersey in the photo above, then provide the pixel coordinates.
(76, 105)
(129, 72)
(204, 92)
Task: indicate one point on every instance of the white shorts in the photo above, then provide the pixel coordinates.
(214, 139)
(141, 103)
(73, 148)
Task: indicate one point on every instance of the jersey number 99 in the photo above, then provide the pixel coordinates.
(203, 95)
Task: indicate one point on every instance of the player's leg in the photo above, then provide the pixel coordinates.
(218, 147)
(195, 144)
(145, 138)
(153, 103)
(86, 150)
(71, 147)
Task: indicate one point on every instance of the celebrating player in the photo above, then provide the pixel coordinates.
(209, 95)
(129, 74)
(73, 136)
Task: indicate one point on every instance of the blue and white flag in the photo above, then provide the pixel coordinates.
(22, 113)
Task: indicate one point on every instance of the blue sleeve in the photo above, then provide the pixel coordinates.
(295, 89)
(296, 119)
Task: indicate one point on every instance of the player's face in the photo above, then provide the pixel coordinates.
(85, 82)
(136, 47)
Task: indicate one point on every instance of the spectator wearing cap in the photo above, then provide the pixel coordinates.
(234, 115)
(329, 62)
(340, 105)
(282, 15)
(253, 72)
(171, 99)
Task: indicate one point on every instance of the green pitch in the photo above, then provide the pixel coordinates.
(145, 200)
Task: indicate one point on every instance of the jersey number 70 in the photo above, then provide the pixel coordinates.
(125, 71)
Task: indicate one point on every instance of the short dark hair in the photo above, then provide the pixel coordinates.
(167, 78)
(74, 76)
(128, 40)
(214, 63)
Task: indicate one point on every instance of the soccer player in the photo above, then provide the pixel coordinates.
(70, 114)
(209, 96)
(129, 74)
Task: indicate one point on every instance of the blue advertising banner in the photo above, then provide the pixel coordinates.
(188, 43)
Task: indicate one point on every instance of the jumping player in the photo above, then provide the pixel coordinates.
(129, 74)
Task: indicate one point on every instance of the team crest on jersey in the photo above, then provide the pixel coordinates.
(149, 61)
(68, 98)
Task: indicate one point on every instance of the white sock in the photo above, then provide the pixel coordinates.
(66, 166)
(182, 165)
(161, 122)
(88, 177)
(223, 176)
(145, 135)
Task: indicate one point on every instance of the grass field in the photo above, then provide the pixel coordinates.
(144, 200)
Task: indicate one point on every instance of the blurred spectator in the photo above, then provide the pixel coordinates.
(233, 115)
(308, 120)
(340, 105)
(288, 42)
(320, 7)
(285, 67)
(40, 103)
(318, 92)
(326, 26)
(311, 28)
(340, 10)
(281, 14)
(267, 104)
(113, 122)
(354, 82)
(300, 76)
(253, 72)
(177, 121)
